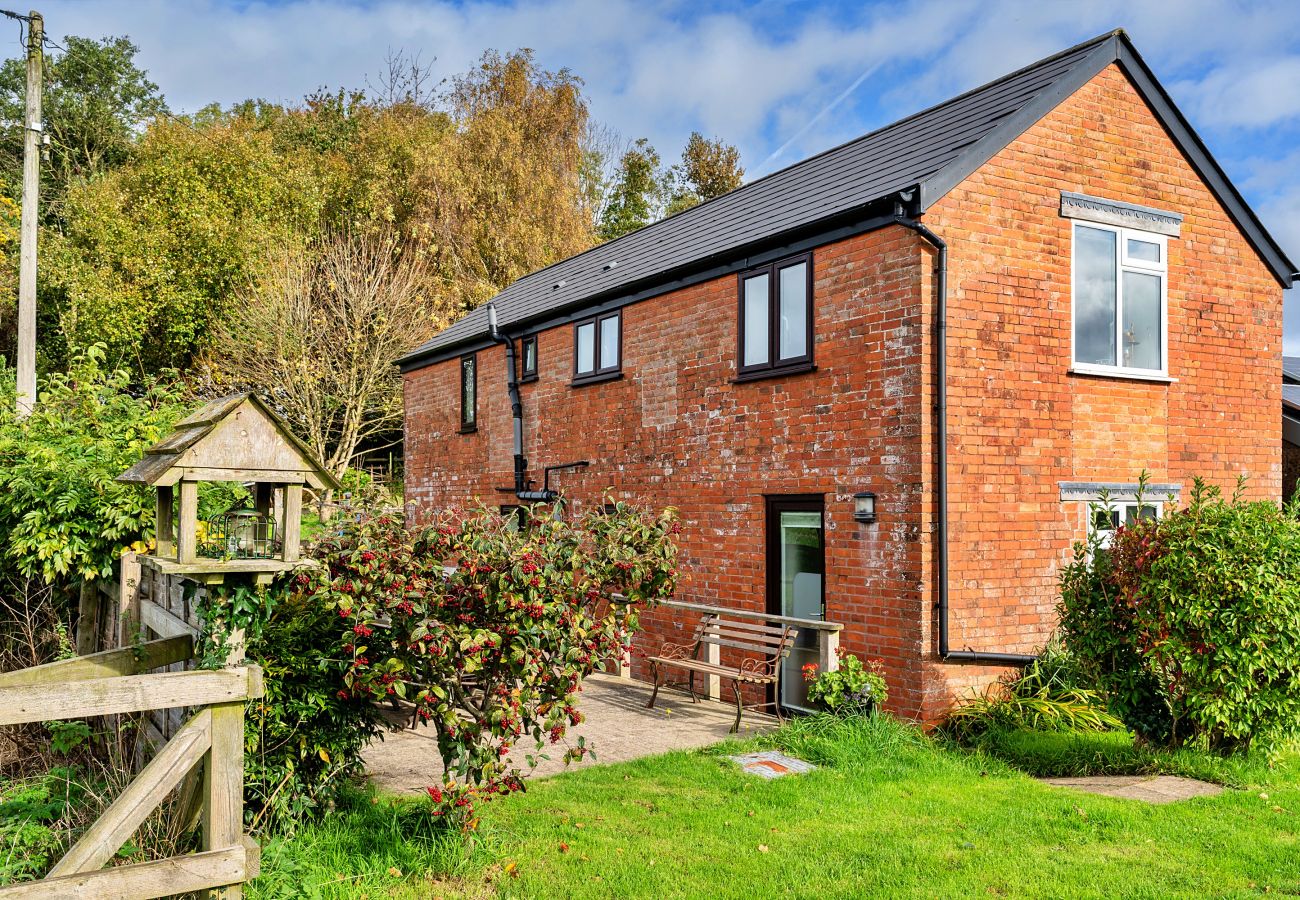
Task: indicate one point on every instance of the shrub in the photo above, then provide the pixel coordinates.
(62, 513)
(851, 689)
(1191, 623)
(304, 737)
(491, 652)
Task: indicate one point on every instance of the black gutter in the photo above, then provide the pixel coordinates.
(854, 222)
(941, 455)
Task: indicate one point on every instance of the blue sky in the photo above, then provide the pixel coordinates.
(779, 79)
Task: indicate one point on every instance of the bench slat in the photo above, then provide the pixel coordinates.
(758, 640)
(766, 651)
(708, 669)
(755, 639)
(739, 625)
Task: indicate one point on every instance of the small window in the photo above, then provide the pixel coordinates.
(776, 318)
(598, 348)
(1106, 518)
(1119, 300)
(468, 393)
(528, 358)
(516, 516)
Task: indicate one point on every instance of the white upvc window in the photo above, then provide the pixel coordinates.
(1119, 301)
(1105, 517)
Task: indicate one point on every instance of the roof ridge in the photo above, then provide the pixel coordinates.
(1098, 40)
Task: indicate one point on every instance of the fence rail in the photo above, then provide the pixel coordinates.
(113, 682)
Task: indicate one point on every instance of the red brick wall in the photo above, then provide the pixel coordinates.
(676, 432)
(1020, 423)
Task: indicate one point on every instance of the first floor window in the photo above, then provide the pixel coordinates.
(1105, 518)
(597, 347)
(528, 358)
(468, 393)
(1119, 299)
(776, 322)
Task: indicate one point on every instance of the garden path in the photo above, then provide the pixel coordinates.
(1148, 788)
(618, 728)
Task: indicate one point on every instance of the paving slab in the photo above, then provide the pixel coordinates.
(618, 727)
(1147, 788)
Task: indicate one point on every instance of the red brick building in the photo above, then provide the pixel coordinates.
(984, 315)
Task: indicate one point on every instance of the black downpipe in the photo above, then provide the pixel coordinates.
(516, 416)
(941, 453)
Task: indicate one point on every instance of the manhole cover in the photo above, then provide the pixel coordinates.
(771, 764)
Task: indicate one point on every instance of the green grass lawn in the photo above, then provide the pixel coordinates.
(888, 813)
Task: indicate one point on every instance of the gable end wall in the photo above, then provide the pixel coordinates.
(1019, 423)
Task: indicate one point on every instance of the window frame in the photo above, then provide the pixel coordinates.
(775, 365)
(1121, 508)
(1123, 263)
(601, 370)
(469, 423)
(526, 374)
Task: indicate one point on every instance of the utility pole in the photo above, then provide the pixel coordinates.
(32, 133)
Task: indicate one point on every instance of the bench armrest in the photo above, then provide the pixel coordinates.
(677, 651)
(765, 668)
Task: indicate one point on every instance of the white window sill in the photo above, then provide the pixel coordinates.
(1123, 374)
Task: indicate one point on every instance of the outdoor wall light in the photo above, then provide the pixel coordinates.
(864, 507)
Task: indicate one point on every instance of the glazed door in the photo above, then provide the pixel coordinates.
(796, 568)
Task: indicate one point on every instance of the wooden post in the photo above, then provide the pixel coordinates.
(292, 537)
(87, 618)
(128, 610)
(188, 522)
(163, 526)
(33, 132)
(223, 787)
(713, 656)
(828, 645)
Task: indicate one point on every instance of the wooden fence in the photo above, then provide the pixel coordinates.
(121, 680)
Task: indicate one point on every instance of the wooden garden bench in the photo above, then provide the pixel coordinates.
(766, 644)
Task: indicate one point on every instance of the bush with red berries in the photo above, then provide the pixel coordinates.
(487, 626)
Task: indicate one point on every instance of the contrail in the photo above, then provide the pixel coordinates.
(817, 118)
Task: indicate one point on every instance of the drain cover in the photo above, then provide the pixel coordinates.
(771, 764)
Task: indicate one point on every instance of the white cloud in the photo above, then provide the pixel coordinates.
(661, 69)
(1255, 94)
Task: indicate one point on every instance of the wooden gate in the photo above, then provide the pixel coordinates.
(114, 682)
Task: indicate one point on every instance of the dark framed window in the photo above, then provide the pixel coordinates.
(516, 516)
(528, 358)
(775, 322)
(468, 393)
(598, 348)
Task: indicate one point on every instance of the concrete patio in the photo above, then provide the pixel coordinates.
(618, 728)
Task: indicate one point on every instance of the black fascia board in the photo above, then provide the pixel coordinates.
(872, 218)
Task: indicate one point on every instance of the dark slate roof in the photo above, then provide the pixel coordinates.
(929, 152)
(1291, 397)
(1291, 369)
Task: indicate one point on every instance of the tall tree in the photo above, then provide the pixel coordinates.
(509, 199)
(709, 168)
(153, 252)
(95, 100)
(636, 197)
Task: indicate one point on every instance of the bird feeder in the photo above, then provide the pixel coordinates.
(234, 439)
